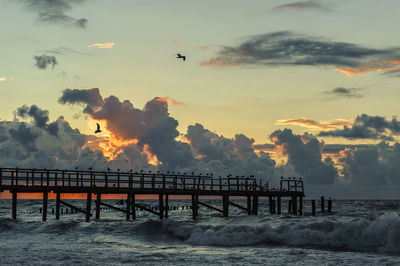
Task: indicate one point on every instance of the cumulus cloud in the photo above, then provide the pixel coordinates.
(312, 124)
(40, 118)
(286, 48)
(107, 45)
(367, 127)
(43, 61)
(376, 165)
(54, 11)
(304, 5)
(305, 155)
(341, 92)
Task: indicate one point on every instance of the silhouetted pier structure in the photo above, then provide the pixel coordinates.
(98, 183)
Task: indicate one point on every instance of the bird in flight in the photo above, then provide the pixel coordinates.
(181, 56)
(98, 129)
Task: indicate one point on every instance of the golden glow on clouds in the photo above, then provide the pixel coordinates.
(376, 66)
(316, 125)
(168, 100)
(106, 45)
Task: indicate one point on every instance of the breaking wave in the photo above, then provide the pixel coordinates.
(381, 234)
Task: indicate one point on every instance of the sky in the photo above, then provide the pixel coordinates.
(271, 88)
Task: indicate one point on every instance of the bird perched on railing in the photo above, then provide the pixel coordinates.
(181, 57)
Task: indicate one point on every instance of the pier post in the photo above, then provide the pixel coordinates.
(14, 205)
(313, 207)
(279, 203)
(161, 205)
(225, 205)
(194, 206)
(133, 206)
(322, 204)
(290, 206)
(273, 206)
(128, 207)
(166, 206)
(329, 205)
(45, 199)
(270, 204)
(58, 198)
(255, 205)
(88, 206)
(249, 205)
(98, 208)
(300, 205)
(295, 209)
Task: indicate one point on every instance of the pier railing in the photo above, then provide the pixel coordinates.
(78, 178)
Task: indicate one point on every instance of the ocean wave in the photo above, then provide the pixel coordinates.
(378, 235)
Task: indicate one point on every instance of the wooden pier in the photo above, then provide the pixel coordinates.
(16, 180)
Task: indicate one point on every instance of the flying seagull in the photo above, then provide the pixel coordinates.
(98, 129)
(181, 56)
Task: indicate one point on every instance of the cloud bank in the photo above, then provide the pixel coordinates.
(147, 138)
(286, 48)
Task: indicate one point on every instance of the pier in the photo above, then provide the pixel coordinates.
(97, 183)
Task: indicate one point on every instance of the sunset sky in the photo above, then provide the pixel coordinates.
(257, 68)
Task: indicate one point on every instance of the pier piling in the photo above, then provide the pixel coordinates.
(322, 204)
(58, 198)
(313, 207)
(98, 208)
(88, 206)
(45, 199)
(14, 205)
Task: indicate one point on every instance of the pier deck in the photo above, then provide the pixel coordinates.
(16, 180)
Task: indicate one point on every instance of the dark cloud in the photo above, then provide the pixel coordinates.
(25, 136)
(54, 11)
(92, 98)
(342, 92)
(42, 61)
(305, 5)
(39, 116)
(286, 48)
(367, 127)
(305, 155)
(376, 165)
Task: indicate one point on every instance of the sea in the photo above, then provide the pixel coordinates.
(357, 232)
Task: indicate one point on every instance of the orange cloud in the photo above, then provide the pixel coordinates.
(168, 100)
(376, 66)
(106, 45)
(318, 125)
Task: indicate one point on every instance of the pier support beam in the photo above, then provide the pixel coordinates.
(255, 205)
(225, 205)
(279, 203)
(313, 207)
(322, 204)
(58, 198)
(329, 205)
(133, 207)
(195, 206)
(300, 205)
(290, 203)
(270, 204)
(128, 207)
(294, 207)
(98, 201)
(166, 206)
(45, 200)
(88, 206)
(14, 205)
(249, 205)
(161, 205)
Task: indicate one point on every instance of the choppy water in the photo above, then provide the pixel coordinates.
(358, 233)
